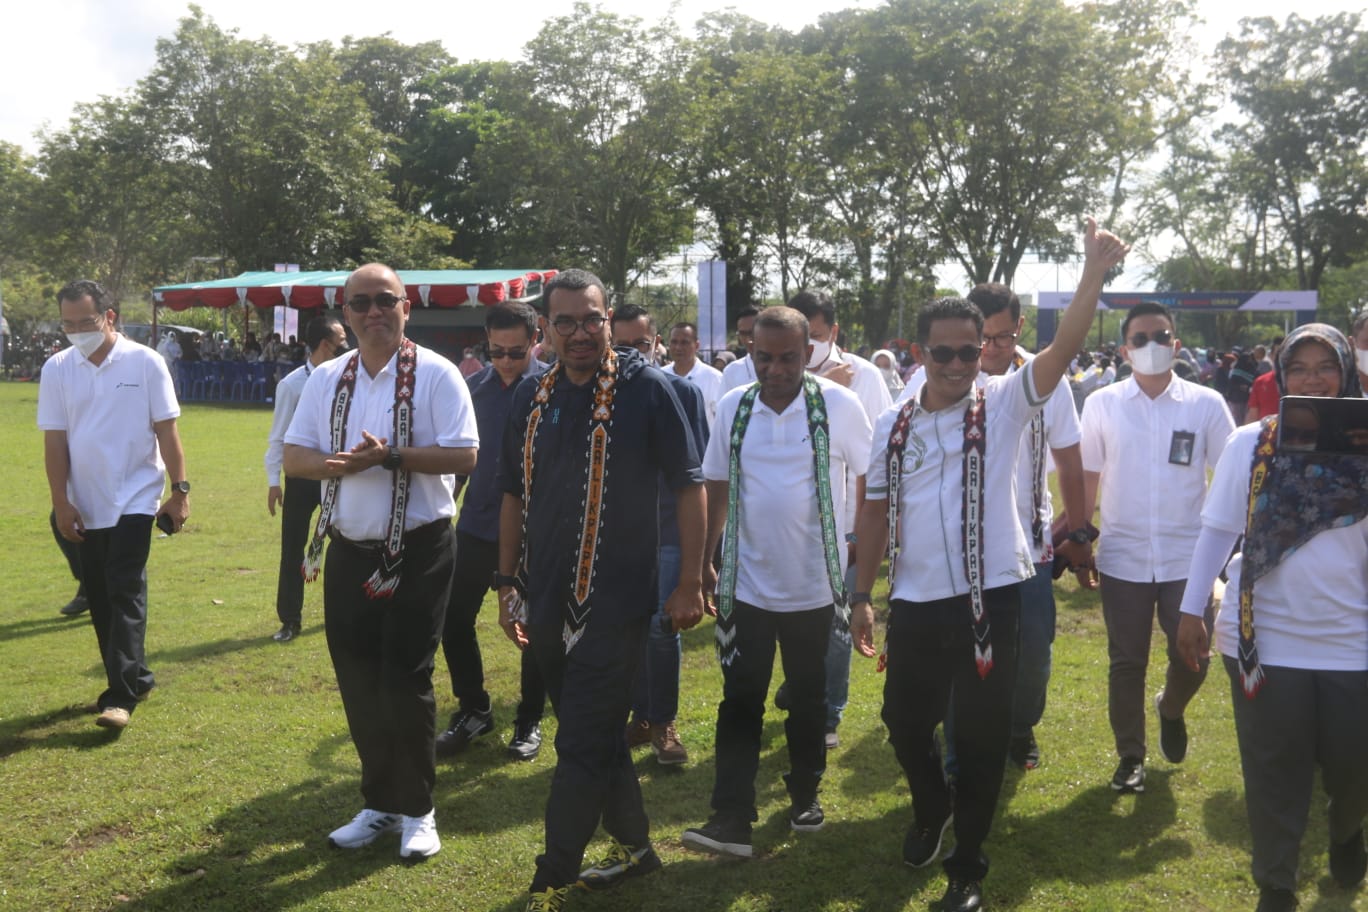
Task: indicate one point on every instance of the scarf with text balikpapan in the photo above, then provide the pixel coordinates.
(586, 555)
(820, 436)
(971, 525)
(1292, 498)
(384, 582)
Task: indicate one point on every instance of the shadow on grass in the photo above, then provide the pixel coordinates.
(1224, 820)
(38, 626)
(194, 651)
(49, 730)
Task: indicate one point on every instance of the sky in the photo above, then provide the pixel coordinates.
(61, 52)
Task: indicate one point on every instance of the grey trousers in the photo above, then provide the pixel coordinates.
(1129, 610)
(1298, 720)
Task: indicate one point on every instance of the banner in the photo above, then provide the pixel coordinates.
(1192, 300)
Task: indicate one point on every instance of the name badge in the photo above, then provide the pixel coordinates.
(1181, 447)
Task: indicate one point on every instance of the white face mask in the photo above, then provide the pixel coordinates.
(1361, 356)
(821, 351)
(1152, 359)
(86, 343)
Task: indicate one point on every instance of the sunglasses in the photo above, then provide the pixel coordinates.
(384, 300)
(944, 354)
(513, 354)
(1140, 340)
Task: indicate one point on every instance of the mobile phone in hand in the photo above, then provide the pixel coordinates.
(166, 523)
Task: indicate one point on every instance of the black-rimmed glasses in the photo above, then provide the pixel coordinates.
(384, 300)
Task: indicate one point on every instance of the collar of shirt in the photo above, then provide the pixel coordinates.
(116, 351)
(1173, 391)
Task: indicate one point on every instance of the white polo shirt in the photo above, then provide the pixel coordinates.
(107, 412)
(781, 563)
(1149, 498)
(442, 416)
(708, 379)
(287, 396)
(1059, 424)
(931, 492)
(867, 383)
(1310, 611)
(739, 373)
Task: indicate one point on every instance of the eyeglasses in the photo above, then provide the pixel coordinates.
(512, 354)
(1324, 371)
(1140, 340)
(384, 300)
(645, 346)
(944, 354)
(592, 324)
(89, 324)
(1001, 340)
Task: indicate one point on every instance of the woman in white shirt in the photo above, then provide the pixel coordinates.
(1295, 637)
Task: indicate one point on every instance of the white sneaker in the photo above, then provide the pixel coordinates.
(419, 839)
(364, 829)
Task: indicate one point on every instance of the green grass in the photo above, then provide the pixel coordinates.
(219, 795)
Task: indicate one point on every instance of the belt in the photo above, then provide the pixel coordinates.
(417, 537)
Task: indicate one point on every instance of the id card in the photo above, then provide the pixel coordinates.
(1181, 447)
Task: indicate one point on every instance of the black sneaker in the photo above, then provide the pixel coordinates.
(286, 633)
(1173, 738)
(962, 896)
(1349, 861)
(721, 836)
(781, 697)
(620, 863)
(1276, 899)
(466, 726)
(1129, 776)
(1024, 752)
(922, 845)
(806, 816)
(526, 742)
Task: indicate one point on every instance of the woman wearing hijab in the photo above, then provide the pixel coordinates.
(1295, 638)
(888, 366)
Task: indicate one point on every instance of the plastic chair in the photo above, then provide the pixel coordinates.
(239, 380)
(199, 380)
(257, 371)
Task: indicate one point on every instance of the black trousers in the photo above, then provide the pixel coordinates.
(476, 561)
(114, 576)
(70, 550)
(382, 652)
(802, 638)
(931, 662)
(591, 693)
(301, 498)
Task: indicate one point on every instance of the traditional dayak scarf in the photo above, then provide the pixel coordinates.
(1294, 497)
(600, 420)
(820, 435)
(384, 582)
(975, 440)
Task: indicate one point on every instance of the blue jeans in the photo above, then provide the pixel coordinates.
(838, 663)
(655, 688)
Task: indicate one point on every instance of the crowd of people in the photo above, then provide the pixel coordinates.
(612, 497)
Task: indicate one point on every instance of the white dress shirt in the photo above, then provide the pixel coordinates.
(442, 416)
(931, 492)
(286, 401)
(739, 373)
(1150, 503)
(708, 379)
(781, 559)
(107, 412)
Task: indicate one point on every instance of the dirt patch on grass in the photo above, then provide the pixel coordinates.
(100, 836)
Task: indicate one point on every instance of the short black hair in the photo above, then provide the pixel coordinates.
(814, 302)
(785, 318)
(684, 324)
(632, 312)
(947, 308)
(993, 298)
(320, 328)
(572, 280)
(512, 315)
(750, 310)
(74, 291)
(1145, 308)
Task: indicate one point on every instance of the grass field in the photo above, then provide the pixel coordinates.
(221, 792)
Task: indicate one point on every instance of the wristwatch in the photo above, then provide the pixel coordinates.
(393, 460)
(1083, 536)
(181, 487)
(501, 581)
(858, 597)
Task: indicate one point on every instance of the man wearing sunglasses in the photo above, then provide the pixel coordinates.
(940, 485)
(510, 333)
(1148, 442)
(387, 429)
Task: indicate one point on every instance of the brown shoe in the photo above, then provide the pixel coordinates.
(113, 717)
(638, 733)
(666, 744)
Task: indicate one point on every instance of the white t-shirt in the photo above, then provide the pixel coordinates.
(442, 416)
(1310, 611)
(1153, 455)
(708, 379)
(107, 412)
(739, 373)
(781, 562)
(931, 492)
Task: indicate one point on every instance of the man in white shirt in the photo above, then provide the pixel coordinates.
(388, 428)
(776, 470)
(741, 372)
(1148, 442)
(108, 413)
(944, 464)
(684, 362)
(864, 380)
(327, 339)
